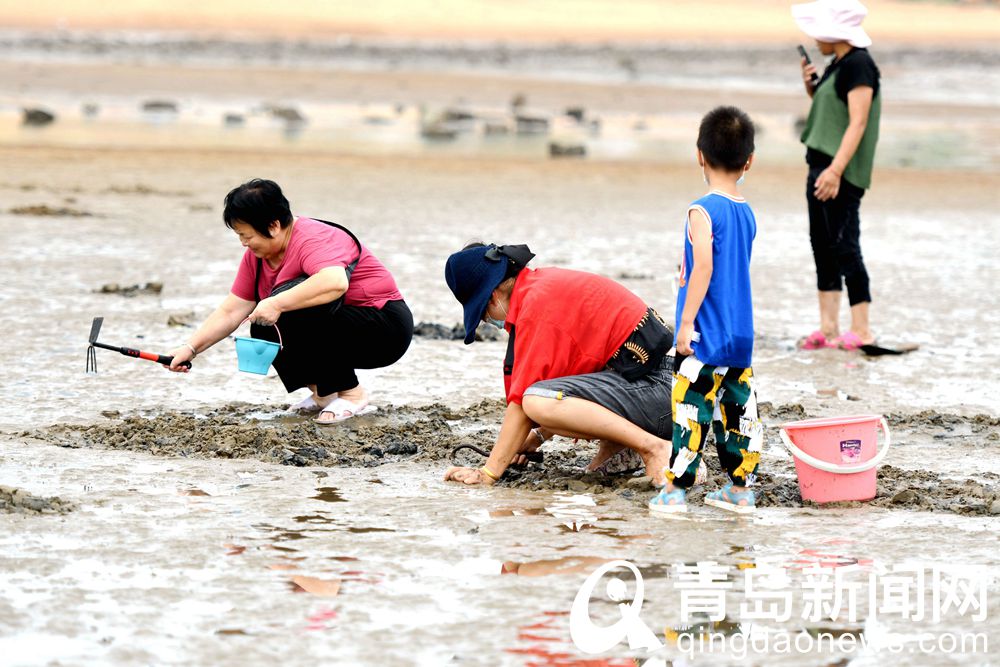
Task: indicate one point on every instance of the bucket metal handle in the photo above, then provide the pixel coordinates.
(281, 345)
(835, 467)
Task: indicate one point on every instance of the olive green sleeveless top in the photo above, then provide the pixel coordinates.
(825, 127)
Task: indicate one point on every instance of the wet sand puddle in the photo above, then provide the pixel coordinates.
(378, 561)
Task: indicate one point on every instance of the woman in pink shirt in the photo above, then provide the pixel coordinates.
(339, 306)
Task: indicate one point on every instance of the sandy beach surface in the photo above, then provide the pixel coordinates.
(935, 23)
(154, 519)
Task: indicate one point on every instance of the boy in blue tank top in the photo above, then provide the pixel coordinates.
(713, 379)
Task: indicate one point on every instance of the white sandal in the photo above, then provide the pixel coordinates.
(343, 409)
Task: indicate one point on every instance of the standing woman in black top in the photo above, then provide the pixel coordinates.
(840, 137)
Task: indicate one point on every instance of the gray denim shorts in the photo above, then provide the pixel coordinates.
(645, 402)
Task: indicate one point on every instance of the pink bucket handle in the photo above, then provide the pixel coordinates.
(281, 345)
(826, 466)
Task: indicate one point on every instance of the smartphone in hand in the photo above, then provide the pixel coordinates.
(803, 53)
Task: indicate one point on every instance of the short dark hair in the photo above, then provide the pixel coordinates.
(257, 203)
(725, 138)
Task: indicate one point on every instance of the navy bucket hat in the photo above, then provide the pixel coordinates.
(472, 275)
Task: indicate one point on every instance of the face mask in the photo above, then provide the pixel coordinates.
(499, 324)
(742, 178)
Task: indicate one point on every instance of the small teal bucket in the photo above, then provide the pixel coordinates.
(255, 355)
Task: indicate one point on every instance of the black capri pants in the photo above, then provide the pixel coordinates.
(324, 350)
(835, 235)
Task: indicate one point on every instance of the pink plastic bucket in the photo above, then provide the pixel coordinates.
(836, 458)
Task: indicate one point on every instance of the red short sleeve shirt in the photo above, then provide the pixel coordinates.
(566, 323)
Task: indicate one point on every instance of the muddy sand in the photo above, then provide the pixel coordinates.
(197, 496)
(430, 434)
(18, 500)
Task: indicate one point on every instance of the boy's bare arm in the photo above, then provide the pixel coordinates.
(701, 274)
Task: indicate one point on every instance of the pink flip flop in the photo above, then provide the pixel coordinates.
(815, 341)
(342, 410)
(848, 341)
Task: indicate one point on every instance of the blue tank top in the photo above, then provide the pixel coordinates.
(725, 320)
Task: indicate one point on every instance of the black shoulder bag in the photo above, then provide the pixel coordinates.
(644, 349)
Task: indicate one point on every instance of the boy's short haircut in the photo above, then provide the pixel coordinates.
(725, 138)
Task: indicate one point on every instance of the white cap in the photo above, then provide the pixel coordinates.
(833, 21)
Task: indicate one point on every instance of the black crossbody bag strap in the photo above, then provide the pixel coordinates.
(508, 361)
(349, 269)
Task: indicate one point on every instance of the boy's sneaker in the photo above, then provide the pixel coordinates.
(669, 502)
(727, 499)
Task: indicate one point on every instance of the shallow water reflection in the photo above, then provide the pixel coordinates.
(329, 494)
(403, 557)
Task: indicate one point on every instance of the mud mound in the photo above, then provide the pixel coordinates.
(436, 331)
(563, 472)
(17, 500)
(431, 433)
(777, 486)
(923, 490)
(773, 415)
(44, 210)
(427, 433)
(896, 488)
(130, 290)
